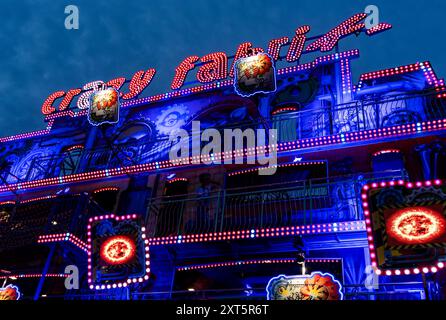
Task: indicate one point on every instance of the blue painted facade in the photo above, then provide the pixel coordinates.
(333, 142)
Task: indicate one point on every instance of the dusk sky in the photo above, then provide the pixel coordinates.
(117, 38)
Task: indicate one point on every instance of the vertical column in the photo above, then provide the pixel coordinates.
(89, 143)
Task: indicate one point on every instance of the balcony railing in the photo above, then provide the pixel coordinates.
(311, 122)
(287, 204)
(22, 223)
(374, 113)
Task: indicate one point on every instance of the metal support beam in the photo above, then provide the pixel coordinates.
(44, 272)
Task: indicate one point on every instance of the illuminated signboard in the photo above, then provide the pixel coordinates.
(254, 74)
(406, 225)
(317, 286)
(214, 66)
(104, 106)
(118, 252)
(9, 292)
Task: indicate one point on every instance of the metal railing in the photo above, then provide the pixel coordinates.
(287, 204)
(317, 121)
(22, 223)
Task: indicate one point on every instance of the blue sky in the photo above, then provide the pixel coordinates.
(116, 38)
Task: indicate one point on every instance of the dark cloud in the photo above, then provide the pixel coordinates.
(116, 38)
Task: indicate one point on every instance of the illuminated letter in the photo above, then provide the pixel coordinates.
(242, 52)
(328, 41)
(116, 83)
(297, 44)
(84, 100)
(214, 68)
(182, 70)
(47, 106)
(275, 45)
(139, 82)
(68, 98)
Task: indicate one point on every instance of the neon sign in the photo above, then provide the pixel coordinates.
(415, 225)
(118, 251)
(404, 220)
(214, 66)
(9, 292)
(254, 74)
(317, 286)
